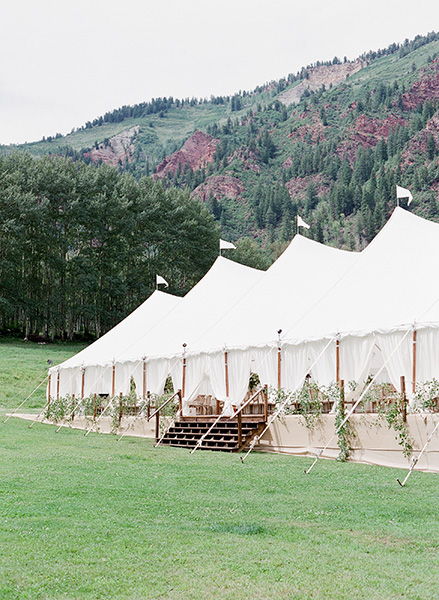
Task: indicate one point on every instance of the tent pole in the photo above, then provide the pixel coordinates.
(57, 385)
(144, 377)
(113, 380)
(414, 360)
(226, 369)
(183, 379)
(279, 361)
(403, 399)
(82, 383)
(337, 360)
(363, 393)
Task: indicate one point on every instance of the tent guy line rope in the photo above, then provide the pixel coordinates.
(351, 411)
(131, 425)
(284, 403)
(69, 380)
(416, 459)
(111, 400)
(80, 400)
(25, 400)
(30, 385)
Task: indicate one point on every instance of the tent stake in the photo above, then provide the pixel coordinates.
(416, 459)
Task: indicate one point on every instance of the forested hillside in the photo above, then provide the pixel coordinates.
(329, 143)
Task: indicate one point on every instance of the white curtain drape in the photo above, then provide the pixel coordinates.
(355, 358)
(427, 354)
(98, 380)
(69, 383)
(397, 351)
(322, 353)
(239, 363)
(295, 366)
(265, 365)
(239, 375)
(123, 377)
(156, 371)
(195, 379)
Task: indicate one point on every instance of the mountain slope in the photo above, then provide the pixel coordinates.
(329, 143)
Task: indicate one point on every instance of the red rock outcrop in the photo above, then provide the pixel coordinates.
(220, 186)
(314, 127)
(196, 152)
(418, 143)
(297, 186)
(367, 132)
(426, 88)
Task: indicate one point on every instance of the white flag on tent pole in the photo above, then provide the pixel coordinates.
(160, 281)
(301, 223)
(226, 245)
(403, 193)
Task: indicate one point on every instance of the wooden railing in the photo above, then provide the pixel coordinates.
(264, 393)
(158, 410)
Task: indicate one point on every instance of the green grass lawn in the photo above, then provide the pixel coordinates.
(23, 365)
(90, 518)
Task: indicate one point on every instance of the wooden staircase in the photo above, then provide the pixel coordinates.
(224, 435)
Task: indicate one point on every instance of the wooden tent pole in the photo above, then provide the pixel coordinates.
(144, 378)
(183, 382)
(226, 368)
(82, 383)
(414, 360)
(113, 381)
(337, 360)
(403, 399)
(57, 385)
(279, 361)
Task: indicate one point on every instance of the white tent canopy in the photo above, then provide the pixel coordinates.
(152, 334)
(281, 299)
(118, 340)
(370, 302)
(391, 286)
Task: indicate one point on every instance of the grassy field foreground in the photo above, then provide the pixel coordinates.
(90, 518)
(23, 365)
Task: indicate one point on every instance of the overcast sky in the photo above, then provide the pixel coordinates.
(65, 62)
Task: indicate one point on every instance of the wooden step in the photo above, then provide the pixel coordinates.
(224, 435)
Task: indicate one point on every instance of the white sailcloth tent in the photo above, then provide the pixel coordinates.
(341, 314)
(69, 377)
(385, 310)
(143, 345)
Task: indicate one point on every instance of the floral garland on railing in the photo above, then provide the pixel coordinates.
(308, 402)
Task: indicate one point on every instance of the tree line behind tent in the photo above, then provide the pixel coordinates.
(80, 246)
